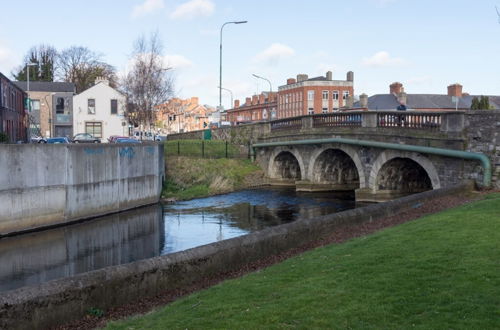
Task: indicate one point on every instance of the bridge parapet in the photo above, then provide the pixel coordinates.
(445, 121)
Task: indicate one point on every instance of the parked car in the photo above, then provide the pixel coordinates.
(85, 138)
(54, 140)
(160, 138)
(126, 140)
(140, 135)
(112, 138)
(38, 139)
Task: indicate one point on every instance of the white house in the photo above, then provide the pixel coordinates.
(100, 111)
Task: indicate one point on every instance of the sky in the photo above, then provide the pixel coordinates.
(425, 44)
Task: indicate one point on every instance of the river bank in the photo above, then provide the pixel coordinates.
(188, 178)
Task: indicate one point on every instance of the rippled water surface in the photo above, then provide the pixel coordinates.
(152, 231)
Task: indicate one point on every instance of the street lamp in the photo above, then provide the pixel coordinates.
(270, 86)
(220, 60)
(28, 75)
(230, 92)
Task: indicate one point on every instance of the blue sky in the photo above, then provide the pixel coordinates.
(424, 44)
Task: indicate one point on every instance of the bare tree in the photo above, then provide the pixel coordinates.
(82, 66)
(148, 82)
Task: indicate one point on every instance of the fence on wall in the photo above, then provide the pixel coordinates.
(206, 149)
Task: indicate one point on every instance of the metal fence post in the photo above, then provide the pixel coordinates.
(226, 149)
(178, 147)
(202, 148)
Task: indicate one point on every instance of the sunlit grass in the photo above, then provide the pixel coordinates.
(438, 272)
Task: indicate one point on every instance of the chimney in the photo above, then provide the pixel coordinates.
(363, 101)
(101, 80)
(329, 75)
(262, 99)
(236, 104)
(402, 98)
(194, 100)
(396, 88)
(455, 90)
(350, 102)
(302, 77)
(248, 101)
(255, 99)
(350, 76)
(290, 81)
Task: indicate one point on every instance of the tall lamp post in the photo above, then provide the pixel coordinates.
(220, 59)
(230, 92)
(28, 75)
(270, 86)
(28, 103)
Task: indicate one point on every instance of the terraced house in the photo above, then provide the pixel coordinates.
(13, 119)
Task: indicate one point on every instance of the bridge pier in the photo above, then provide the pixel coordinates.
(305, 185)
(379, 196)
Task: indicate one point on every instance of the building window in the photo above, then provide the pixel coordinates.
(91, 106)
(345, 95)
(286, 99)
(114, 107)
(325, 110)
(310, 111)
(94, 129)
(325, 95)
(310, 95)
(335, 95)
(35, 105)
(60, 105)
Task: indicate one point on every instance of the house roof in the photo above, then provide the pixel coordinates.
(425, 101)
(47, 86)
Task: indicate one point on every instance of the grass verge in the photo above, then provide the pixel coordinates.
(440, 271)
(189, 178)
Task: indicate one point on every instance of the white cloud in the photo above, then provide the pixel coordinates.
(273, 54)
(147, 7)
(192, 9)
(382, 59)
(176, 61)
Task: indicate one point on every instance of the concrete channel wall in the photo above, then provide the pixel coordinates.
(46, 185)
(60, 301)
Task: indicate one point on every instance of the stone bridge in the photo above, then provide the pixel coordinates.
(380, 155)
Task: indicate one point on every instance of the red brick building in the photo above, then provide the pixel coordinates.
(304, 95)
(257, 108)
(13, 118)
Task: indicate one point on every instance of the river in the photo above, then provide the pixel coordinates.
(151, 231)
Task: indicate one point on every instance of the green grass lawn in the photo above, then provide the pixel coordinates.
(437, 272)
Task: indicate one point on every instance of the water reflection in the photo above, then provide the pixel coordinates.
(65, 251)
(221, 217)
(150, 231)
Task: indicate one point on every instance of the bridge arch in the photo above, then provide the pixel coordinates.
(336, 164)
(403, 171)
(286, 163)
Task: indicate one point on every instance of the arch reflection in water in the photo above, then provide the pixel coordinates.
(111, 240)
(221, 217)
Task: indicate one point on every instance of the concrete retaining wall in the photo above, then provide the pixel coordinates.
(59, 301)
(45, 185)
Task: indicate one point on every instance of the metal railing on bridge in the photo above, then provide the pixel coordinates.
(287, 123)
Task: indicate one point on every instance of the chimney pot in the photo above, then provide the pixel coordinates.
(255, 99)
(455, 90)
(363, 100)
(236, 104)
(248, 101)
(290, 81)
(396, 88)
(302, 77)
(329, 75)
(350, 76)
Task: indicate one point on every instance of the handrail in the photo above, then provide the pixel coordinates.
(482, 158)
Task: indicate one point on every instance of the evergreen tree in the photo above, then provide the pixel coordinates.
(475, 104)
(484, 103)
(44, 56)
